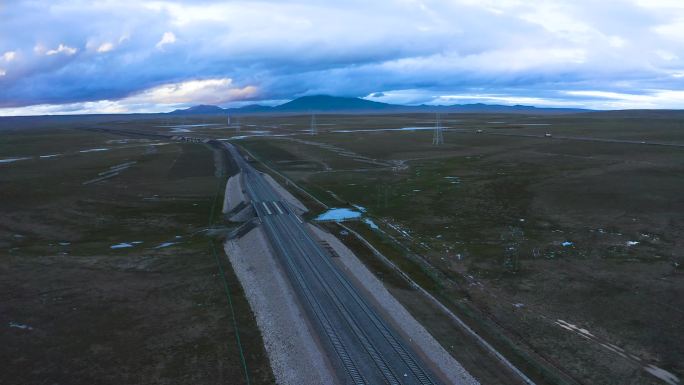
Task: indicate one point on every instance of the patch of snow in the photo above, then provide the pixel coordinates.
(662, 374)
(94, 150)
(165, 244)
(370, 223)
(121, 246)
(567, 244)
(632, 243)
(49, 156)
(20, 326)
(64, 243)
(574, 328)
(360, 208)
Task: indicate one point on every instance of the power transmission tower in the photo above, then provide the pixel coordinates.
(314, 130)
(228, 120)
(438, 135)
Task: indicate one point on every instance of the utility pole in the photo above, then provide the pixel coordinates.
(438, 135)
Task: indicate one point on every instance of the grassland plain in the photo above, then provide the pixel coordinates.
(114, 281)
(563, 250)
(571, 248)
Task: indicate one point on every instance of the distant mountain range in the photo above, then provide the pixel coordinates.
(325, 104)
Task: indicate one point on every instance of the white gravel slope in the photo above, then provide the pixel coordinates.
(233, 195)
(296, 357)
(421, 340)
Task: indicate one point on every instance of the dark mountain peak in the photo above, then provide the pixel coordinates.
(338, 104)
(200, 109)
(330, 103)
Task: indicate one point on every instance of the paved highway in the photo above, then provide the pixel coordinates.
(360, 344)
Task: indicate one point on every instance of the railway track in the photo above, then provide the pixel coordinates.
(367, 349)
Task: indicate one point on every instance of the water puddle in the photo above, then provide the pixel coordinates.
(180, 128)
(165, 244)
(12, 160)
(339, 214)
(386, 129)
(125, 245)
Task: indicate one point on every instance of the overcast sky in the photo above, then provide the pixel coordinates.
(76, 56)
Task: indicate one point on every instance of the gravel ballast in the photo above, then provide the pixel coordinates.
(296, 358)
(419, 338)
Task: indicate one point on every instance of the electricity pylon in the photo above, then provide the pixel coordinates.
(438, 135)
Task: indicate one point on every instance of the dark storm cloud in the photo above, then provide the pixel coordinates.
(149, 55)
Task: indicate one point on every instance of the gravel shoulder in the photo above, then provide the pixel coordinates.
(299, 206)
(422, 342)
(296, 356)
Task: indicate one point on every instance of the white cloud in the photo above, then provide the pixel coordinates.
(98, 107)
(62, 49)
(666, 55)
(661, 4)
(3, 72)
(9, 56)
(157, 99)
(415, 97)
(105, 47)
(616, 41)
(167, 38)
(661, 99)
(207, 91)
